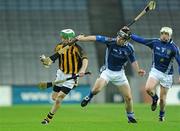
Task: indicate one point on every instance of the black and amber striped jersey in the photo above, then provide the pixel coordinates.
(70, 60)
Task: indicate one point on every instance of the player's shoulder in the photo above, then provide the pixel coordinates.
(77, 46)
(154, 39)
(58, 47)
(130, 46)
(173, 44)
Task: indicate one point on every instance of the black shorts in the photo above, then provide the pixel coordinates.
(62, 88)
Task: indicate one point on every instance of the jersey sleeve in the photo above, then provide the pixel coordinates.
(104, 39)
(177, 57)
(144, 41)
(58, 47)
(132, 56)
(55, 56)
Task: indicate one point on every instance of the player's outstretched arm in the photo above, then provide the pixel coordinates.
(139, 39)
(86, 38)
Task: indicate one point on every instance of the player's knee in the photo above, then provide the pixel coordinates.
(128, 99)
(59, 100)
(148, 90)
(53, 98)
(61, 96)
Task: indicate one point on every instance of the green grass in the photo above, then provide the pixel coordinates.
(108, 117)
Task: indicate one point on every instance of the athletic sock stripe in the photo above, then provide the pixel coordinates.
(50, 117)
(51, 113)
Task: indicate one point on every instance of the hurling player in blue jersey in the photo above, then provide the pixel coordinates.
(164, 51)
(119, 51)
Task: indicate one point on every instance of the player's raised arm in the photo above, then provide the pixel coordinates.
(86, 38)
(97, 38)
(141, 40)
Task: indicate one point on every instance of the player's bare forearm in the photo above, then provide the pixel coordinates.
(84, 67)
(136, 67)
(86, 38)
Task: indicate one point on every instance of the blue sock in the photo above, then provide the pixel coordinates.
(130, 114)
(161, 113)
(90, 95)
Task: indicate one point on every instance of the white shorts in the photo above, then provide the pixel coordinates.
(118, 78)
(164, 79)
(61, 76)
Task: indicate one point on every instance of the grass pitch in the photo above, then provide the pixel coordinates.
(107, 117)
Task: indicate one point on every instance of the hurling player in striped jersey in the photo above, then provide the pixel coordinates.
(72, 60)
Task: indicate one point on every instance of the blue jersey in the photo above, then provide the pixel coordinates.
(163, 53)
(116, 56)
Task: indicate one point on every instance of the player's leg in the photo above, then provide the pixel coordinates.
(58, 101)
(99, 84)
(120, 80)
(60, 91)
(126, 93)
(165, 84)
(58, 95)
(163, 95)
(151, 91)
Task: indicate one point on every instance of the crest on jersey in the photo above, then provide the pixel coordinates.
(163, 49)
(162, 59)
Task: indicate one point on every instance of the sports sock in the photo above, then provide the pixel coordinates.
(90, 95)
(161, 113)
(130, 114)
(49, 116)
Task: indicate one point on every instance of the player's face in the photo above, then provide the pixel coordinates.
(164, 36)
(64, 40)
(120, 41)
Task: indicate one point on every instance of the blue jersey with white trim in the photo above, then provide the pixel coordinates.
(116, 56)
(163, 53)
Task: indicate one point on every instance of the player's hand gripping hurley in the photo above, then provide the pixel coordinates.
(46, 61)
(150, 6)
(44, 85)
